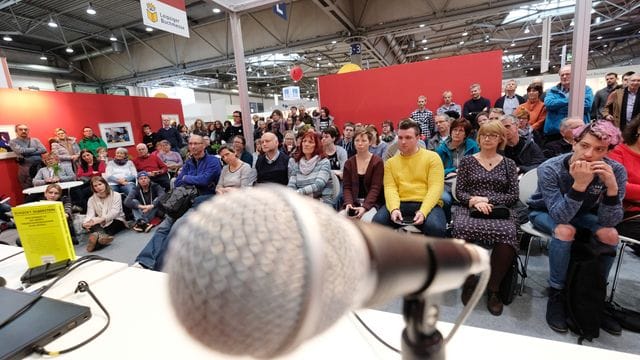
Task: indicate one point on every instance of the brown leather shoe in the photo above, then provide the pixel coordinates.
(494, 304)
(105, 239)
(468, 288)
(93, 240)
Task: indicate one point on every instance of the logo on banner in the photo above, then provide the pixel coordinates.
(152, 14)
(291, 93)
(167, 15)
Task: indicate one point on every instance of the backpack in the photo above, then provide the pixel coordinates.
(177, 201)
(586, 287)
(512, 281)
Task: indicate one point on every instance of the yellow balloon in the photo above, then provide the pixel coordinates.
(347, 68)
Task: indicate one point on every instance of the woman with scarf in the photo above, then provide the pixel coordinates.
(310, 170)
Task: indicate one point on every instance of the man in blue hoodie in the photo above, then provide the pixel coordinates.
(202, 171)
(556, 101)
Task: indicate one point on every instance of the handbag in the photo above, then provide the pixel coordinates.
(498, 212)
(510, 284)
(177, 201)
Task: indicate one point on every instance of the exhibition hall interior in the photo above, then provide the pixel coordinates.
(308, 178)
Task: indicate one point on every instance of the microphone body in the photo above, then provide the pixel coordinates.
(258, 271)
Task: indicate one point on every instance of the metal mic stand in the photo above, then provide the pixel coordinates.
(420, 338)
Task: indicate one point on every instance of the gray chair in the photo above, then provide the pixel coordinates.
(624, 241)
(528, 184)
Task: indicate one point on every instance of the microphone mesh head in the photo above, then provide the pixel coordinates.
(246, 276)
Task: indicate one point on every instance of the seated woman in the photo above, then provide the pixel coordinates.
(53, 172)
(336, 155)
(105, 217)
(452, 151)
(143, 202)
(236, 173)
(289, 143)
(486, 180)
(377, 146)
(90, 166)
(121, 173)
(239, 144)
(363, 179)
(310, 171)
(172, 159)
(628, 154)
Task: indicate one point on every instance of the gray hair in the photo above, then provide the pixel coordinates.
(513, 119)
(121, 149)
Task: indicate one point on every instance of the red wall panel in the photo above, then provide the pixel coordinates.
(371, 96)
(44, 111)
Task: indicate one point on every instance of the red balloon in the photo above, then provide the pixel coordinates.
(296, 73)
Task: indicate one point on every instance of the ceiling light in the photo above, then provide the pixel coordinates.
(598, 20)
(333, 42)
(461, 42)
(572, 23)
(113, 38)
(426, 58)
(618, 28)
(465, 33)
(605, 45)
(531, 69)
(599, 37)
(538, 20)
(424, 41)
(216, 10)
(508, 66)
(148, 29)
(526, 30)
(42, 57)
(52, 23)
(506, 50)
(69, 49)
(91, 10)
(421, 25)
(319, 58)
(513, 44)
(265, 73)
(486, 41)
(425, 48)
(7, 38)
(249, 69)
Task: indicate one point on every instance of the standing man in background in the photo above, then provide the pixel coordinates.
(424, 118)
(600, 99)
(90, 141)
(28, 151)
(169, 133)
(510, 101)
(449, 105)
(623, 104)
(557, 103)
(475, 105)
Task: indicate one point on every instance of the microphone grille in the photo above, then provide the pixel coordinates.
(247, 276)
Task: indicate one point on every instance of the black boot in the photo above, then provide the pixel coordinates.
(556, 317)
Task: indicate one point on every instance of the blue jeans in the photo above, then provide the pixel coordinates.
(123, 189)
(560, 251)
(152, 256)
(447, 200)
(146, 217)
(435, 223)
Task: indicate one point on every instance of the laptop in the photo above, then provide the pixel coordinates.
(46, 320)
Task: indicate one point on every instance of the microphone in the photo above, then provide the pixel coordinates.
(258, 271)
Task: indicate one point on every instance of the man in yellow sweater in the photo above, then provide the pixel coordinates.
(413, 185)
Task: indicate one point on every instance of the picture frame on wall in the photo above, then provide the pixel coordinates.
(117, 134)
(7, 132)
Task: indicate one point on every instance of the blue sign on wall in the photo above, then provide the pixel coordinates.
(280, 10)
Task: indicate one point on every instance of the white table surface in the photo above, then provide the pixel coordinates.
(144, 326)
(41, 188)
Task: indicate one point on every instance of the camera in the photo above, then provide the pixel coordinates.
(352, 212)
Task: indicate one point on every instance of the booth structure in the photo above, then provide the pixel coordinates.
(44, 111)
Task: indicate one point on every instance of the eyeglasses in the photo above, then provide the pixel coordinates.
(488, 136)
(457, 130)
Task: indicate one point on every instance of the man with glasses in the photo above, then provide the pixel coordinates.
(580, 190)
(28, 151)
(624, 103)
(520, 148)
(443, 122)
(202, 171)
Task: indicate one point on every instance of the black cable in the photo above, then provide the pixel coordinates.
(45, 288)
(82, 287)
(10, 256)
(376, 335)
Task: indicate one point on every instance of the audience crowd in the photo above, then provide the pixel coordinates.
(451, 172)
